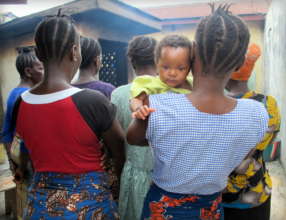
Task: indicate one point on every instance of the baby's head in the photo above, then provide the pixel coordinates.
(174, 57)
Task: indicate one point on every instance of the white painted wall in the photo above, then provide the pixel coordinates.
(275, 62)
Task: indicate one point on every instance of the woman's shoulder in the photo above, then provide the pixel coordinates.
(89, 96)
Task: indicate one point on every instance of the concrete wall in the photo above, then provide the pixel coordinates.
(9, 76)
(256, 28)
(274, 61)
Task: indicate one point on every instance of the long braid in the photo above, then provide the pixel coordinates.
(222, 40)
(54, 36)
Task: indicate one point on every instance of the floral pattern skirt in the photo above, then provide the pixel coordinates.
(162, 205)
(60, 196)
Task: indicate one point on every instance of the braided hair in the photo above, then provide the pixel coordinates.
(55, 36)
(174, 41)
(222, 40)
(90, 48)
(141, 51)
(26, 58)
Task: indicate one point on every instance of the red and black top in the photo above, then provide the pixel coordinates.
(62, 130)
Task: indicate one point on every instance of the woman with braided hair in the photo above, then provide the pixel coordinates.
(89, 67)
(62, 127)
(199, 138)
(135, 178)
(248, 192)
(31, 72)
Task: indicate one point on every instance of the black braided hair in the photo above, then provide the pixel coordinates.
(141, 51)
(174, 41)
(90, 48)
(55, 36)
(222, 40)
(26, 58)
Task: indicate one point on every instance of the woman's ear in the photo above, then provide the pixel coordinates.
(73, 54)
(27, 71)
(98, 62)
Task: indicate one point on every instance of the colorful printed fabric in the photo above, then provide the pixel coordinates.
(162, 205)
(60, 196)
(250, 184)
(153, 85)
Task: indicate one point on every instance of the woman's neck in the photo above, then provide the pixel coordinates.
(56, 78)
(237, 88)
(25, 84)
(147, 70)
(208, 95)
(85, 76)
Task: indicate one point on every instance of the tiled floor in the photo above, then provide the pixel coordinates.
(278, 206)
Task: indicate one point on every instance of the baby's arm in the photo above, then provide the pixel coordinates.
(140, 106)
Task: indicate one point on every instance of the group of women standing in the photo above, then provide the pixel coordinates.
(194, 136)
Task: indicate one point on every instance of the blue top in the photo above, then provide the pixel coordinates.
(194, 152)
(8, 130)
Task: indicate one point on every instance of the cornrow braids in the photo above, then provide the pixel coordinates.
(26, 58)
(222, 40)
(141, 51)
(55, 36)
(174, 41)
(90, 48)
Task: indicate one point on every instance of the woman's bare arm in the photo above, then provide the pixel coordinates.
(113, 138)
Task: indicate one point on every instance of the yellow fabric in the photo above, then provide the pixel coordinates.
(153, 85)
(237, 182)
(2, 153)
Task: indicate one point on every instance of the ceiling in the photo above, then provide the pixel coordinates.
(170, 9)
(163, 3)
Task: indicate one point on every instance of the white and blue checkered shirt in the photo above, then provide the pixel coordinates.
(194, 152)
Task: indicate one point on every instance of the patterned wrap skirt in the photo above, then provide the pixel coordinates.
(162, 205)
(60, 196)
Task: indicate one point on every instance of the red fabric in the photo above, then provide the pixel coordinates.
(58, 138)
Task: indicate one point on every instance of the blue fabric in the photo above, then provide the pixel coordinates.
(194, 152)
(8, 130)
(59, 196)
(160, 204)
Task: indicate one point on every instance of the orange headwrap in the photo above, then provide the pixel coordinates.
(243, 74)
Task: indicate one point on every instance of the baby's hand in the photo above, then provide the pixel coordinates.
(142, 112)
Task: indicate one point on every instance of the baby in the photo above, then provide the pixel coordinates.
(174, 56)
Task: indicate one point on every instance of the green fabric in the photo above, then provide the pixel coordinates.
(153, 85)
(136, 175)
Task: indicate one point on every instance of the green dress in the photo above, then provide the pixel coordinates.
(136, 175)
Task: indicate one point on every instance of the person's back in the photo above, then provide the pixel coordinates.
(62, 127)
(212, 145)
(98, 85)
(136, 175)
(73, 133)
(197, 138)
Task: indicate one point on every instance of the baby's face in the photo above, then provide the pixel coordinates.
(174, 65)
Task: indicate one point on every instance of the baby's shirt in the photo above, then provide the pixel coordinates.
(154, 85)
